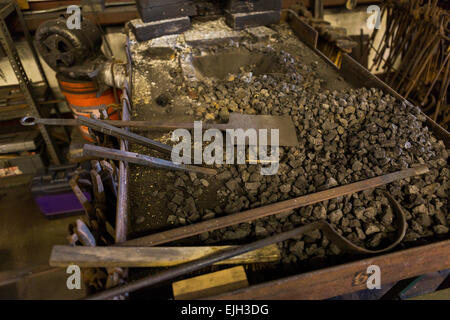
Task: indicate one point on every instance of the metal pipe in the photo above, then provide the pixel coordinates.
(113, 74)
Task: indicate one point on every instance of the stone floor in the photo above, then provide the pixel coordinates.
(26, 239)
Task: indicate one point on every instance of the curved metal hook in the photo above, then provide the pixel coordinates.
(348, 246)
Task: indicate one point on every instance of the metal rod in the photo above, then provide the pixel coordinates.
(137, 124)
(141, 159)
(123, 134)
(148, 125)
(101, 126)
(122, 189)
(261, 212)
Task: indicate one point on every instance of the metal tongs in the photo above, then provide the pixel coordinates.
(115, 154)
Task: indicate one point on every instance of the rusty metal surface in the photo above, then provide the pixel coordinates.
(326, 3)
(309, 35)
(124, 170)
(123, 134)
(122, 192)
(284, 125)
(117, 276)
(103, 127)
(122, 203)
(350, 277)
(260, 212)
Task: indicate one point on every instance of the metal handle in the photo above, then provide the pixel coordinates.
(28, 121)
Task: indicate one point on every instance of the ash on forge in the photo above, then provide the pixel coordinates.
(345, 135)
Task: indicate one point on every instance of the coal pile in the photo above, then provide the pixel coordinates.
(344, 136)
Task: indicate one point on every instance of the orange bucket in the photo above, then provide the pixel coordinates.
(81, 95)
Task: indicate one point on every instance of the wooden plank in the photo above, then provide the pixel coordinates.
(334, 281)
(62, 256)
(210, 284)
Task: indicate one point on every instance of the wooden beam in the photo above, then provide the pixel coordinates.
(63, 256)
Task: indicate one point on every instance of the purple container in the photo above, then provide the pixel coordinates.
(53, 194)
(60, 204)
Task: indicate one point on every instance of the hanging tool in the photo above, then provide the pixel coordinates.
(413, 53)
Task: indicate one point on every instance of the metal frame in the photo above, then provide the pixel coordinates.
(25, 84)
